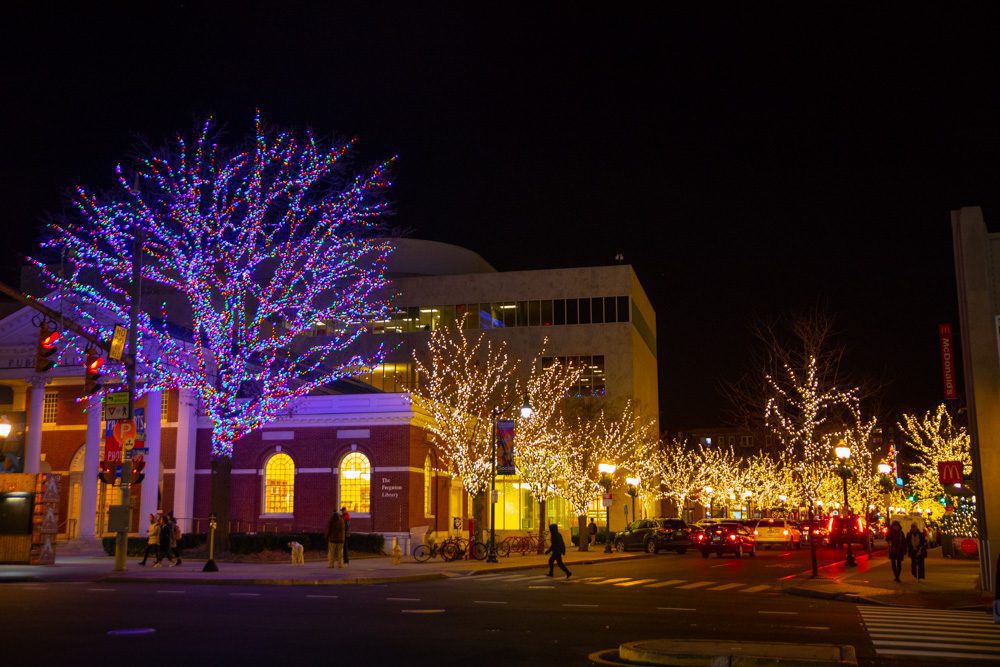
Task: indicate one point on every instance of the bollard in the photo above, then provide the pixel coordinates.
(397, 553)
(210, 566)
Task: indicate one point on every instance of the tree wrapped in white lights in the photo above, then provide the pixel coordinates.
(540, 439)
(933, 438)
(720, 469)
(462, 381)
(680, 471)
(864, 489)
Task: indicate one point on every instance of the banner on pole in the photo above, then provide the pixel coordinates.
(505, 447)
(948, 362)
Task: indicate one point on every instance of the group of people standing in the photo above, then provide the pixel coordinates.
(912, 544)
(162, 541)
(338, 529)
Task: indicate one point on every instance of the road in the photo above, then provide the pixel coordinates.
(509, 618)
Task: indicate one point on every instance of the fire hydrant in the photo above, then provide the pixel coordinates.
(397, 553)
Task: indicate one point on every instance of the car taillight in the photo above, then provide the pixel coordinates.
(732, 537)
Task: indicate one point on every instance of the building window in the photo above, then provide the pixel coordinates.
(428, 486)
(50, 406)
(164, 405)
(746, 441)
(355, 483)
(391, 377)
(279, 484)
(592, 381)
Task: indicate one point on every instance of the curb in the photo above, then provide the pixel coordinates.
(430, 576)
(828, 595)
(735, 654)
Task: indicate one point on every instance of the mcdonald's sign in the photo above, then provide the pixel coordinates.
(950, 472)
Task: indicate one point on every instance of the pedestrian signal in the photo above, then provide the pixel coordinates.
(91, 372)
(47, 337)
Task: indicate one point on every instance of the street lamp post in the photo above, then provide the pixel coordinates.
(607, 470)
(844, 455)
(633, 490)
(491, 550)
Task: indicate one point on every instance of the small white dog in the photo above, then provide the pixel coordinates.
(298, 555)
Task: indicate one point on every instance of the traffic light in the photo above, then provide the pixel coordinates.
(90, 372)
(47, 337)
(137, 471)
(108, 472)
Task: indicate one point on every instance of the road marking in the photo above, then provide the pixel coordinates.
(608, 581)
(489, 602)
(676, 608)
(571, 604)
(403, 599)
(544, 576)
(172, 592)
(422, 611)
(940, 654)
(245, 595)
(131, 632)
(541, 586)
(697, 584)
(663, 584)
(635, 582)
(516, 577)
(102, 590)
(780, 613)
(755, 589)
(723, 565)
(980, 638)
(809, 627)
(331, 597)
(724, 587)
(909, 642)
(483, 577)
(590, 579)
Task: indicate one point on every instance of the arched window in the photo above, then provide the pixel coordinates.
(356, 483)
(428, 485)
(279, 484)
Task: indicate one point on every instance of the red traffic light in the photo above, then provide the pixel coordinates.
(49, 341)
(91, 367)
(47, 338)
(94, 363)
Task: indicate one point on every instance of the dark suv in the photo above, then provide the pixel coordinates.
(646, 534)
(727, 538)
(843, 530)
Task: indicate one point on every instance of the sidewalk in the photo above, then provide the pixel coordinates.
(950, 583)
(375, 570)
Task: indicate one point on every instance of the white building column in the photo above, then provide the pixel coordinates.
(148, 500)
(91, 462)
(33, 448)
(187, 440)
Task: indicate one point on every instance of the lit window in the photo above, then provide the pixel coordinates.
(164, 405)
(49, 407)
(355, 483)
(279, 485)
(428, 485)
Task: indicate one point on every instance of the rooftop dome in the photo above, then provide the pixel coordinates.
(417, 257)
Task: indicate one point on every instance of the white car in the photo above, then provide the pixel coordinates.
(778, 531)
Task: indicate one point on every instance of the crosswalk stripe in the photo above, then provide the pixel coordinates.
(609, 581)
(901, 631)
(755, 589)
(635, 582)
(516, 577)
(724, 587)
(664, 584)
(537, 578)
(697, 584)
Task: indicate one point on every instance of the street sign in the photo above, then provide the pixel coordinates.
(139, 451)
(950, 472)
(606, 500)
(117, 343)
(140, 423)
(116, 406)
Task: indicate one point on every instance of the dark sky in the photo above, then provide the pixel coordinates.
(748, 164)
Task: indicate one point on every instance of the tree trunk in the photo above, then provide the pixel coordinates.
(479, 514)
(584, 541)
(222, 468)
(542, 521)
(812, 544)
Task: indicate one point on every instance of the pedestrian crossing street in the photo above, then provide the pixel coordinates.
(932, 634)
(619, 582)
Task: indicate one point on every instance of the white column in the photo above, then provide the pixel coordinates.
(33, 451)
(91, 461)
(148, 501)
(187, 439)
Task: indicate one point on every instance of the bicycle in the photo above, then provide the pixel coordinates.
(455, 548)
(424, 552)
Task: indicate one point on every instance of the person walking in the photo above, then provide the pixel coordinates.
(347, 534)
(152, 540)
(335, 540)
(592, 529)
(557, 547)
(175, 537)
(166, 532)
(896, 541)
(916, 545)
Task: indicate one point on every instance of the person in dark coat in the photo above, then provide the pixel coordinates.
(592, 529)
(335, 540)
(557, 548)
(916, 545)
(347, 533)
(896, 541)
(166, 534)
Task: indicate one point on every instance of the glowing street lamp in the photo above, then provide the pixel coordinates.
(607, 470)
(4, 426)
(526, 410)
(844, 455)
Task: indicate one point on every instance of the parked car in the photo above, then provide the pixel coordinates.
(814, 530)
(726, 538)
(639, 534)
(778, 531)
(847, 529)
(672, 535)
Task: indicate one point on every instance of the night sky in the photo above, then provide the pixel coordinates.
(749, 165)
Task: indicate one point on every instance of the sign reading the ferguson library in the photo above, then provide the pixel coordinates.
(950, 472)
(505, 447)
(948, 362)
